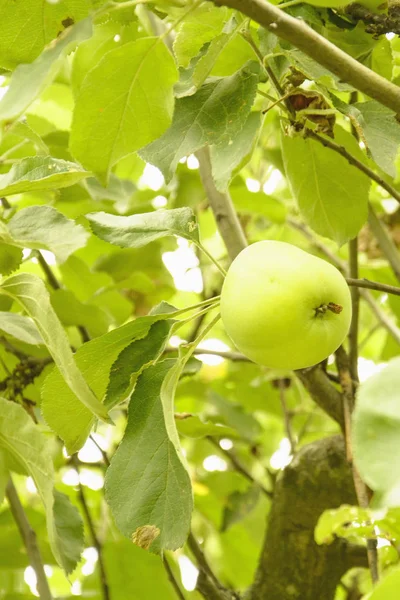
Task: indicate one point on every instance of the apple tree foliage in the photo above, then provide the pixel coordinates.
(142, 145)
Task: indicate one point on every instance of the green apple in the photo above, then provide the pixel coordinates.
(284, 308)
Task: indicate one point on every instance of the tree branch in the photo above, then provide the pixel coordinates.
(298, 33)
(292, 565)
(373, 285)
(222, 207)
(376, 24)
(29, 538)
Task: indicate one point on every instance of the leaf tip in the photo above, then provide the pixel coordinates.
(144, 536)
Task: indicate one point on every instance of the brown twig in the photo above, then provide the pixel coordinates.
(237, 465)
(355, 303)
(373, 285)
(328, 143)
(95, 540)
(103, 452)
(172, 579)
(286, 416)
(30, 541)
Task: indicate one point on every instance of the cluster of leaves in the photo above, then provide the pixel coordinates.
(94, 93)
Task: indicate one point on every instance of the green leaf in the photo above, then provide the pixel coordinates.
(332, 195)
(61, 409)
(28, 81)
(141, 229)
(125, 102)
(22, 130)
(199, 27)
(376, 430)
(71, 311)
(226, 157)
(214, 115)
(43, 227)
(37, 173)
(133, 359)
(194, 427)
(30, 291)
(136, 574)
(336, 523)
(22, 440)
(27, 26)
(4, 475)
(257, 203)
(90, 52)
(69, 527)
(147, 486)
(20, 327)
(10, 256)
(387, 588)
(239, 505)
(379, 129)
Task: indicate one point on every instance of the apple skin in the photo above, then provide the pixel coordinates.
(269, 303)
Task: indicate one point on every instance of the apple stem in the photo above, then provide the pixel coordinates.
(335, 308)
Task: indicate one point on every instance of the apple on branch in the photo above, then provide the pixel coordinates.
(284, 308)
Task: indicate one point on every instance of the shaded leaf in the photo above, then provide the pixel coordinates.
(28, 81)
(40, 173)
(376, 430)
(214, 115)
(332, 194)
(30, 291)
(10, 256)
(227, 157)
(71, 311)
(125, 102)
(61, 408)
(239, 505)
(146, 483)
(69, 525)
(194, 427)
(378, 129)
(141, 229)
(133, 359)
(136, 573)
(43, 227)
(28, 447)
(257, 203)
(20, 327)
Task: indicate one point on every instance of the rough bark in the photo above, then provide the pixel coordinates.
(292, 566)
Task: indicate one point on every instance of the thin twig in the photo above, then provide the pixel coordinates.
(355, 303)
(343, 366)
(237, 465)
(385, 241)
(172, 579)
(29, 538)
(103, 452)
(95, 540)
(286, 416)
(374, 285)
(328, 143)
(306, 39)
